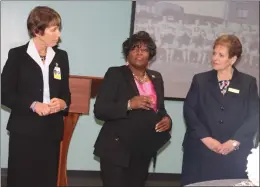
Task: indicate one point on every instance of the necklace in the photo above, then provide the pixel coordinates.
(139, 79)
(43, 58)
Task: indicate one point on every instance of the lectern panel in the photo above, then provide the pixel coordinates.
(80, 89)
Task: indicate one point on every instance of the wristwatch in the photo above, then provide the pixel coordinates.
(235, 144)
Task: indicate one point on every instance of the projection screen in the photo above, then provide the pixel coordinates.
(184, 32)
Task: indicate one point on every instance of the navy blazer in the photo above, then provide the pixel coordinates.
(22, 84)
(234, 115)
(125, 132)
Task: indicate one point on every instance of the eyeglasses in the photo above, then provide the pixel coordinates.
(139, 49)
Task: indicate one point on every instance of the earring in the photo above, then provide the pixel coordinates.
(126, 63)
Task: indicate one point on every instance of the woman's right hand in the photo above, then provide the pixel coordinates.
(141, 102)
(212, 144)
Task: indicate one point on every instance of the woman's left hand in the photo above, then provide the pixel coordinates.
(163, 125)
(56, 105)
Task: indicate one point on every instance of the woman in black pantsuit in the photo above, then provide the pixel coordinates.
(35, 88)
(131, 103)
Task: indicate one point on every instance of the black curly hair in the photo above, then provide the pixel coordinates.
(137, 39)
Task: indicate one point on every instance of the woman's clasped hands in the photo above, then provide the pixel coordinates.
(220, 148)
(44, 109)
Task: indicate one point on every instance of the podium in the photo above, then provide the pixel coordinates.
(82, 89)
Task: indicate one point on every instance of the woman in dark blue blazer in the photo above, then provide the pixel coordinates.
(35, 87)
(222, 115)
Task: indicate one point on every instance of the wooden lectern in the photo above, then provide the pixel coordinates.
(82, 88)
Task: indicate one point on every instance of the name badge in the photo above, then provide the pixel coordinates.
(57, 72)
(233, 90)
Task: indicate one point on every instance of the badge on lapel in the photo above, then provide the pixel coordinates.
(233, 90)
(57, 72)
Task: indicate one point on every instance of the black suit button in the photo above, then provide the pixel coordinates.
(221, 121)
(40, 90)
(222, 108)
(116, 139)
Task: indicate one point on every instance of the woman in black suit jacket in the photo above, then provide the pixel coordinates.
(35, 88)
(136, 122)
(222, 115)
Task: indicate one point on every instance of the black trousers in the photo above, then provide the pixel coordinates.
(118, 176)
(32, 162)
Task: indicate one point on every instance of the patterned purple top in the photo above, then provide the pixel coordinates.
(223, 85)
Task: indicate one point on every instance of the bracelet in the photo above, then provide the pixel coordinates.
(129, 105)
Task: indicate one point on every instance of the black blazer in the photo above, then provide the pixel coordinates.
(232, 116)
(127, 132)
(22, 84)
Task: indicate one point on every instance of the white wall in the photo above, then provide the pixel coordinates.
(92, 34)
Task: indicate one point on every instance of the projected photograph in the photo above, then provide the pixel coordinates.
(185, 31)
